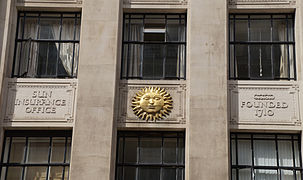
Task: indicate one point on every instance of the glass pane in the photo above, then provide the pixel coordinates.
(279, 30)
(150, 150)
(3, 170)
(58, 150)
(297, 154)
(134, 56)
(180, 172)
(68, 150)
(6, 146)
(231, 61)
(264, 136)
(260, 30)
(291, 61)
(172, 61)
(47, 58)
(17, 150)
(49, 28)
(290, 30)
(30, 28)
(265, 153)
(120, 150)
(126, 29)
(153, 57)
(14, 173)
(234, 174)
(68, 29)
(244, 152)
(245, 174)
(260, 61)
(76, 59)
(130, 150)
(78, 28)
(242, 61)
(169, 174)
(35, 173)
(169, 150)
(231, 30)
(149, 173)
(285, 153)
(129, 173)
(65, 61)
(119, 174)
(241, 30)
(136, 30)
(233, 152)
(280, 60)
(172, 29)
(38, 150)
(298, 175)
(287, 175)
(154, 23)
(181, 152)
(66, 173)
(181, 58)
(56, 173)
(266, 174)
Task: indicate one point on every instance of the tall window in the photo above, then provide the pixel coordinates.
(36, 155)
(262, 46)
(150, 156)
(47, 45)
(265, 156)
(154, 46)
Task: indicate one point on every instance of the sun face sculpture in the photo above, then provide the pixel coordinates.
(152, 103)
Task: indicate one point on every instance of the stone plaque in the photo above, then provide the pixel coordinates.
(264, 104)
(33, 101)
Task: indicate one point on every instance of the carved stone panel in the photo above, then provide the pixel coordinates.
(155, 2)
(280, 3)
(51, 1)
(40, 101)
(176, 92)
(264, 104)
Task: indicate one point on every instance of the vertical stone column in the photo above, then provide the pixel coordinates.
(208, 129)
(94, 126)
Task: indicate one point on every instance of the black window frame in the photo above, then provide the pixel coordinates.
(182, 16)
(278, 168)
(22, 14)
(67, 134)
(232, 62)
(150, 134)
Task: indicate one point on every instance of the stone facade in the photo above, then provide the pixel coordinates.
(95, 105)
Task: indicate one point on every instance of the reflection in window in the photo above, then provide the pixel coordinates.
(265, 157)
(150, 156)
(261, 46)
(154, 46)
(36, 155)
(47, 45)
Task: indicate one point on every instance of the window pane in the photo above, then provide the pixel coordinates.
(136, 30)
(14, 173)
(17, 150)
(153, 60)
(260, 61)
(119, 174)
(49, 28)
(134, 56)
(30, 28)
(3, 170)
(291, 60)
(231, 61)
(180, 172)
(181, 151)
(266, 174)
(172, 61)
(56, 173)
(120, 150)
(265, 153)
(129, 173)
(6, 150)
(66, 173)
(169, 174)
(298, 175)
(149, 173)
(285, 153)
(33, 173)
(233, 152)
(297, 154)
(245, 174)
(280, 60)
(38, 150)
(244, 152)
(130, 150)
(150, 150)
(65, 61)
(68, 150)
(234, 174)
(279, 30)
(290, 30)
(260, 30)
(68, 29)
(169, 150)
(287, 175)
(173, 32)
(58, 150)
(242, 61)
(47, 58)
(241, 30)
(231, 30)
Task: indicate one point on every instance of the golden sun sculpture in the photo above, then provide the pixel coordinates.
(152, 103)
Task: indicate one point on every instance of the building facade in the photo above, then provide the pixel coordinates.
(151, 89)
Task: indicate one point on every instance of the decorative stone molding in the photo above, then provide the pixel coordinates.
(51, 1)
(155, 2)
(128, 92)
(286, 3)
(40, 101)
(268, 104)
